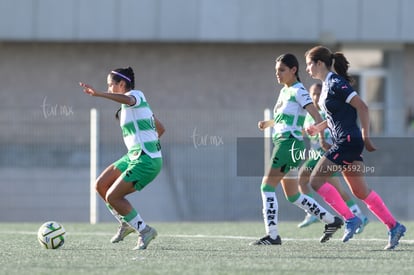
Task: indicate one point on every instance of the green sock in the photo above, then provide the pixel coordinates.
(267, 188)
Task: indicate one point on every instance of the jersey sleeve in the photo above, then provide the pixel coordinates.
(137, 98)
(303, 97)
(343, 90)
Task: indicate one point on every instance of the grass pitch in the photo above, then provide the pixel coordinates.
(204, 248)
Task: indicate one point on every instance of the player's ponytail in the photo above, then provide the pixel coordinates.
(338, 60)
(341, 65)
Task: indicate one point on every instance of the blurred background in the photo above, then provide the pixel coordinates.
(207, 70)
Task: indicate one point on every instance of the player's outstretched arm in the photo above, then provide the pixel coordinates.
(120, 98)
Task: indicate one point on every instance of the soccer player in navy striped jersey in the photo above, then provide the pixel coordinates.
(343, 106)
(143, 162)
(316, 152)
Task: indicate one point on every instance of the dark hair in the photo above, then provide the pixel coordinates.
(323, 54)
(125, 74)
(291, 61)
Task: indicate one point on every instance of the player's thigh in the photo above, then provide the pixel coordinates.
(107, 177)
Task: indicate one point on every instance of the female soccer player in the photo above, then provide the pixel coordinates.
(288, 118)
(316, 152)
(342, 106)
(136, 169)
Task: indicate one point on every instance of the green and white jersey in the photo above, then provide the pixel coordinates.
(314, 140)
(138, 126)
(289, 112)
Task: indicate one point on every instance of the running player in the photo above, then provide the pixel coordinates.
(136, 169)
(316, 152)
(289, 114)
(343, 106)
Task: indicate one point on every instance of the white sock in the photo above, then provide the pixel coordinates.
(114, 213)
(270, 208)
(135, 220)
(314, 208)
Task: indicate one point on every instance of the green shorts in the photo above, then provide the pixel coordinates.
(313, 158)
(287, 153)
(138, 168)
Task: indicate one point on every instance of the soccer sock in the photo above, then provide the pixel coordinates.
(334, 199)
(377, 206)
(135, 220)
(310, 194)
(270, 208)
(354, 207)
(311, 206)
(114, 213)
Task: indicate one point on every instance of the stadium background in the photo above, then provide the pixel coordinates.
(207, 69)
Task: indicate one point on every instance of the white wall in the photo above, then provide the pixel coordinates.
(207, 20)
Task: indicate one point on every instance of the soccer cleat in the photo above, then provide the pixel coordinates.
(361, 228)
(351, 226)
(123, 231)
(330, 229)
(267, 240)
(394, 236)
(309, 219)
(145, 237)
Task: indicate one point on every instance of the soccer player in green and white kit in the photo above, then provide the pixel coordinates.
(317, 152)
(136, 169)
(289, 115)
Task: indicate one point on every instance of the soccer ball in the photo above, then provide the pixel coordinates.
(51, 235)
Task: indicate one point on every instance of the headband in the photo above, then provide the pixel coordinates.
(121, 75)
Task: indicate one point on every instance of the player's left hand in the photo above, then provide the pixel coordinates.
(369, 145)
(312, 130)
(88, 89)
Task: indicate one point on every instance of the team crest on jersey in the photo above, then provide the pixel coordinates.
(335, 80)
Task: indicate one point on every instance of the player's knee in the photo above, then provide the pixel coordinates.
(111, 198)
(360, 194)
(101, 187)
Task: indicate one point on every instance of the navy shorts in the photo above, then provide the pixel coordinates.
(346, 152)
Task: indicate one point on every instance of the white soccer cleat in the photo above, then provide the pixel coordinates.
(123, 231)
(145, 237)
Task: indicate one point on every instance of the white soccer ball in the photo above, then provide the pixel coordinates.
(51, 235)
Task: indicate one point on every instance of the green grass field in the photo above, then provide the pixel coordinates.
(204, 248)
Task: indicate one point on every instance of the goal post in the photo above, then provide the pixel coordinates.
(94, 157)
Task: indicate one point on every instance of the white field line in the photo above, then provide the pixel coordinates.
(200, 236)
